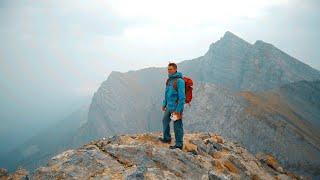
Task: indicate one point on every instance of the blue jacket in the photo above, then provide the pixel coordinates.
(171, 95)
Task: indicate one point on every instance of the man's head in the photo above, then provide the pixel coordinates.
(172, 68)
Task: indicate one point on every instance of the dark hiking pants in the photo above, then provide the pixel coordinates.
(177, 126)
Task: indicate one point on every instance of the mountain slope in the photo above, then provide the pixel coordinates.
(261, 121)
(37, 150)
(121, 104)
(143, 156)
(304, 98)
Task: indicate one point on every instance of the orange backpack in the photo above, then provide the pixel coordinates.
(188, 87)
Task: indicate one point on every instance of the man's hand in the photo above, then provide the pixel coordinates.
(163, 108)
(179, 114)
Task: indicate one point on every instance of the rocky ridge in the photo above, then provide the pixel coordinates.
(144, 156)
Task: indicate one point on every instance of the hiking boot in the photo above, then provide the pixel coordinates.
(174, 147)
(164, 141)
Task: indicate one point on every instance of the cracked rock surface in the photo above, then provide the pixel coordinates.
(143, 156)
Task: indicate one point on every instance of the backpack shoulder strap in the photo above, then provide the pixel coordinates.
(175, 84)
(167, 82)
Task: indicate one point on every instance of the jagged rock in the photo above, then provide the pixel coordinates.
(189, 147)
(230, 167)
(213, 175)
(19, 174)
(270, 161)
(3, 172)
(144, 156)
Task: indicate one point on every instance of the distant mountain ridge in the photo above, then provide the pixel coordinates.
(239, 65)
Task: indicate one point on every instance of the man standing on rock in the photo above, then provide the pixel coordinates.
(173, 105)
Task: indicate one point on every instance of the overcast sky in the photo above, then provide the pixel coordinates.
(54, 51)
(77, 43)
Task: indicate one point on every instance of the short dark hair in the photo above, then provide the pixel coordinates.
(173, 64)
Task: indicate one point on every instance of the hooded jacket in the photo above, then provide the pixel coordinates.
(171, 95)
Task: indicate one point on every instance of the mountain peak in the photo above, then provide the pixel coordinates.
(229, 36)
(204, 155)
(115, 73)
(260, 43)
(229, 40)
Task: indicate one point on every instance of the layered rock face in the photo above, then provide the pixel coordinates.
(304, 98)
(239, 65)
(143, 156)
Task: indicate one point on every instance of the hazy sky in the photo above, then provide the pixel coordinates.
(77, 43)
(55, 52)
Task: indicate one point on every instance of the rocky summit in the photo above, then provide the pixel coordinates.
(144, 156)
